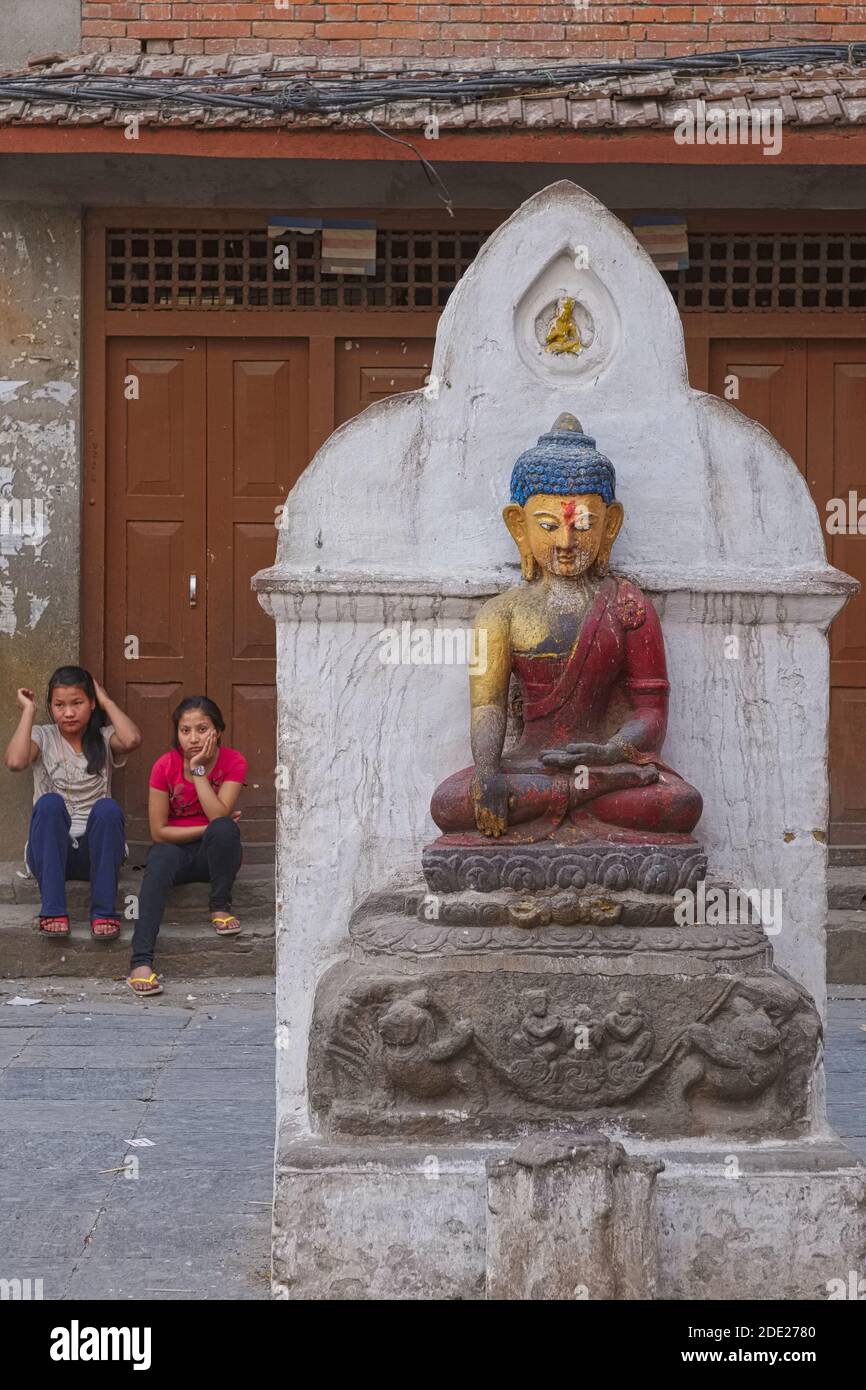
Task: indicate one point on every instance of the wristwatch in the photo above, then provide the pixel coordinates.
(199, 771)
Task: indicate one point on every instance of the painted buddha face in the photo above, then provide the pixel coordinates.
(563, 536)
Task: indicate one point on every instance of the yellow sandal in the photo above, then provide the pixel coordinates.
(151, 982)
(221, 920)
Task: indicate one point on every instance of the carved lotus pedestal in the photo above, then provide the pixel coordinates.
(484, 1014)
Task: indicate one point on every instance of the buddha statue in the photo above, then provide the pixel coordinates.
(585, 651)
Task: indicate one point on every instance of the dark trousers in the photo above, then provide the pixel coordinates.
(54, 858)
(214, 859)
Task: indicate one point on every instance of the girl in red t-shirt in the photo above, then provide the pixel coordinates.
(194, 789)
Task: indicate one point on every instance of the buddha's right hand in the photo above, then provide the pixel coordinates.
(490, 798)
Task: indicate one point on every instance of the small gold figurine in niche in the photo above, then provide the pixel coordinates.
(563, 335)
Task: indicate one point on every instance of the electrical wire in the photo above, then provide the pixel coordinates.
(280, 93)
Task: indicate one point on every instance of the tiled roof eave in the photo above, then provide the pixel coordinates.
(805, 98)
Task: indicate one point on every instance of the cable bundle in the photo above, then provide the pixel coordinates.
(279, 93)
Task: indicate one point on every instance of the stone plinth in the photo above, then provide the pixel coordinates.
(390, 1220)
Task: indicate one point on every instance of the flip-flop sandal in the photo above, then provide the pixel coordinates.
(221, 920)
(150, 982)
(105, 935)
(64, 932)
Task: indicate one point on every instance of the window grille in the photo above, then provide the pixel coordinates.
(772, 270)
(180, 269)
(728, 272)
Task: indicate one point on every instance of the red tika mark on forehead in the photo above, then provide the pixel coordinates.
(568, 511)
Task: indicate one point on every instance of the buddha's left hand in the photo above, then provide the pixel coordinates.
(583, 755)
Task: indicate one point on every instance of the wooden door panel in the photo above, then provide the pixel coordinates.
(257, 431)
(252, 719)
(812, 397)
(847, 764)
(371, 369)
(837, 429)
(155, 447)
(771, 382)
(155, 539)
(838, 386)
(156, 555)
(150, 705)
(253, 633)
(697, 359)
(262, 426)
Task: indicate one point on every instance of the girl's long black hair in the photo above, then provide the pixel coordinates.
(208, 707)
(92, 742)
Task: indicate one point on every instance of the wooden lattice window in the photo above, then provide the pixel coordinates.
(180, 269)
(728, 272)
(742, 272)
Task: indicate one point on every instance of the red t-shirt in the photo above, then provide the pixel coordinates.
(184, 807)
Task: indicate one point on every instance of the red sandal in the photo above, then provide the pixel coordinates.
(105, 922)
(64, 932)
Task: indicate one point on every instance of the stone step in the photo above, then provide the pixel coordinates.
(840, 855)
(846, 947)
(190, 949)
(846, 886)
(253, 893)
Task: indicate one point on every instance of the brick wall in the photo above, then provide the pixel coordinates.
(464, 30)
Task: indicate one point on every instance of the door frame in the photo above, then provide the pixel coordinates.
(322, 326)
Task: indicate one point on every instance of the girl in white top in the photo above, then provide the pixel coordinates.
(76, 829)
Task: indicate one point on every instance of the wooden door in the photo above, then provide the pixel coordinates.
(155, 539)
(256, 449)
(769, 379)
(812, 397)
(369, 369)
(837, 468)
(204, 440)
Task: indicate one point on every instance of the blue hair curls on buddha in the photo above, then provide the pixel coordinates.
(563, 463)
(563, 466)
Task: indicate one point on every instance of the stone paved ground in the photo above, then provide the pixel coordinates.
(92, 1068)
(846, 1065)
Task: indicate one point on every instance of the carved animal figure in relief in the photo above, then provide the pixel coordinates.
(736, 1056)
(417, 1059)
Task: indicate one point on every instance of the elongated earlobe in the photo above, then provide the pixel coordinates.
(515, 519)
(612, 524)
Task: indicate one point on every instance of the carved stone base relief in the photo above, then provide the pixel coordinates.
(460, 1051)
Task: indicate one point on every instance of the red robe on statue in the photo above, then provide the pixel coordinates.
(614, 679)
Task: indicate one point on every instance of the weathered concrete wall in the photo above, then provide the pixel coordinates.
(40, 275)
(46, 26)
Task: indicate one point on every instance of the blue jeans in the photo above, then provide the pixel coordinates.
(53, 857)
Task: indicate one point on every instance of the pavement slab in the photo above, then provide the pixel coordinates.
(186, 1216)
